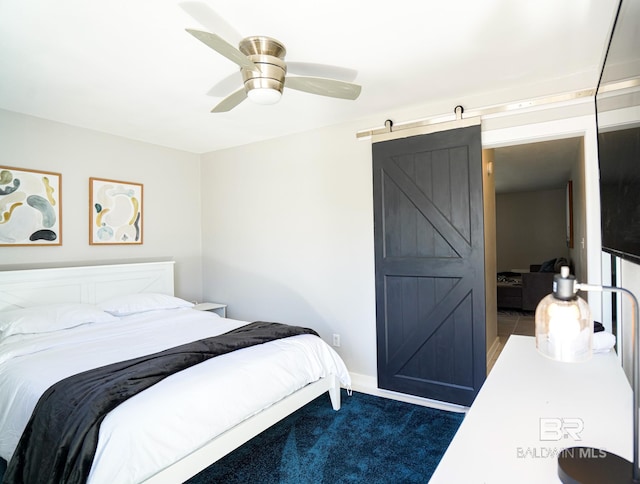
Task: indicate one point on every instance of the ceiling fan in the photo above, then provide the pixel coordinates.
(262, 65)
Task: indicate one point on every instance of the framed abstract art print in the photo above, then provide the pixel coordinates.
(115, 212)
(30, 207)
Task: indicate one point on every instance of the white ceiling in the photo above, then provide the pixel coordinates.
(545, 165)
(127, 67)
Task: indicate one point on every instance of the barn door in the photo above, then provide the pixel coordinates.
(429, 257)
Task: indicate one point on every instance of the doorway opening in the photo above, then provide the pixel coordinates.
(536, 228)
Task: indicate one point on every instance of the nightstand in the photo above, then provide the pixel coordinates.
(219, 309)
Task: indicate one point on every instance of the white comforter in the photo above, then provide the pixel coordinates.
(174, 417)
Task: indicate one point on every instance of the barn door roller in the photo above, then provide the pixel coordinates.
(414, 128)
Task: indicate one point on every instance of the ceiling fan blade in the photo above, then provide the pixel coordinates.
(222, 87)
(224, 48)
(210, 20)
(230, 102)
(322, 70)
(324, 87)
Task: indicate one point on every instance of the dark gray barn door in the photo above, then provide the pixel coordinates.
(429, 257)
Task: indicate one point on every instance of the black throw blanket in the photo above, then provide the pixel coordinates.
(60, 440)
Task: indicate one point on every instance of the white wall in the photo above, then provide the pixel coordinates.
(530, 228)
(578, 254)
(171, 179)
(283, 228)
(288, 224)
(288, 236)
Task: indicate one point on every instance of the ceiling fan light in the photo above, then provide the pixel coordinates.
(264, 95)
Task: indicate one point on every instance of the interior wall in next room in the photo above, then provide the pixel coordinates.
(530, 228)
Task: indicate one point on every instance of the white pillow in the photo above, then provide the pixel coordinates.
(142, 302)
(53, 317)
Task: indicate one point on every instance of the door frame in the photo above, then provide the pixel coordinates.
(579, 126)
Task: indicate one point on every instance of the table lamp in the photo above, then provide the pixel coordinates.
(564, 332)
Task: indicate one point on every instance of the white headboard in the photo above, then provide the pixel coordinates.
(87, 284)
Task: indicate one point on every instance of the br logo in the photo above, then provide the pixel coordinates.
(560, 428)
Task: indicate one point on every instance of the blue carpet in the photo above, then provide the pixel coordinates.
(370, 439)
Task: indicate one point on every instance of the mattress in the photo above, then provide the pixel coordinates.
(173, 418)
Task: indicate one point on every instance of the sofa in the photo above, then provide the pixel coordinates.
(523, 291)
(535, 286)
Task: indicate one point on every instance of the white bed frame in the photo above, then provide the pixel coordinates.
(97, 283)
(85, 284)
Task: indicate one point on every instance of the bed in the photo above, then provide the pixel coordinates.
(177, 427)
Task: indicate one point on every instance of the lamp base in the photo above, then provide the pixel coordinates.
(584, 465)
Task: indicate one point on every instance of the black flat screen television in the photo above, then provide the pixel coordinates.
(618, 120)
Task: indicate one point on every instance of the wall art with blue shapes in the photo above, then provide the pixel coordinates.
(115, 212)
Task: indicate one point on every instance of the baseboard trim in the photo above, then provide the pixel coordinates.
(493, 349)
(369, 385)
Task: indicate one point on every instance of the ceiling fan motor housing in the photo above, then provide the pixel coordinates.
(268, 54)
(263, 69)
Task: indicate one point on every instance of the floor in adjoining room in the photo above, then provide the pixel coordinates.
(512, 322)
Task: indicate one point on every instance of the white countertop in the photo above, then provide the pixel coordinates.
(510, 433)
